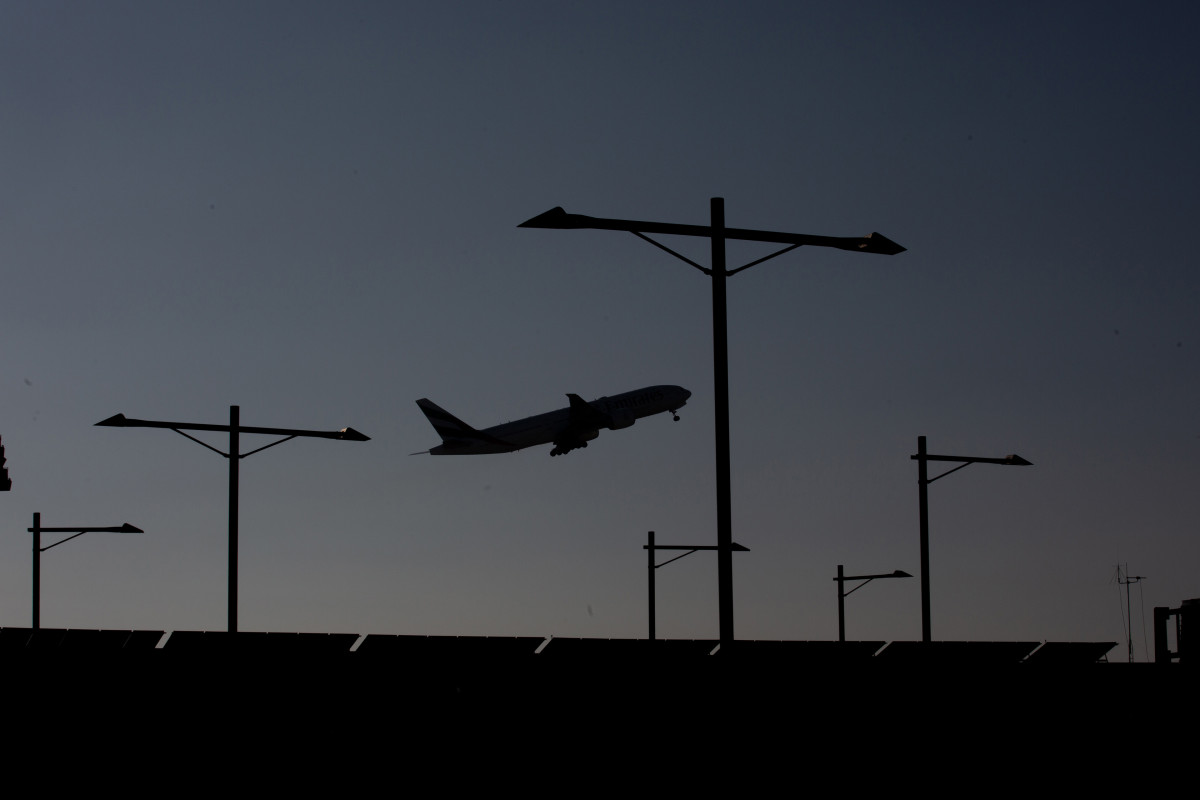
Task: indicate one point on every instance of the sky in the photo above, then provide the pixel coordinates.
(310, 210)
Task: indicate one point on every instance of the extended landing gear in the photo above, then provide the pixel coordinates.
(674, 414)
(563, 449)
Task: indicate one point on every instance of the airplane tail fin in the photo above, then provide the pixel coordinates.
(448, 426)
(459, 438)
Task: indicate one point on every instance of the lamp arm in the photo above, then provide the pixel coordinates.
(202, 444)
(676, 558)
(265, 446)
(856, 588)
(682, 258)
(761, 260)
(944, 474)
(61, 541)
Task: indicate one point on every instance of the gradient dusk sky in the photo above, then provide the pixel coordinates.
(310, 210)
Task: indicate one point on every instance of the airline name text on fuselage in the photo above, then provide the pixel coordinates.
(624, 402)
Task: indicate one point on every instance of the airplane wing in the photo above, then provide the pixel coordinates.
(585, 416)
(584, 425)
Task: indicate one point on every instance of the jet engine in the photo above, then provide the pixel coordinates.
(567, 444)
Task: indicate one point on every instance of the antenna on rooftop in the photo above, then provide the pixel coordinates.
(1126, 581)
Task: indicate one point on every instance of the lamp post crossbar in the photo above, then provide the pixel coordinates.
(560, 219)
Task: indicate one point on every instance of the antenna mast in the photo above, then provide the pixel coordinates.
(1128, 611)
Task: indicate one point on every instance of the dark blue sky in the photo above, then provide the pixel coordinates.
(310, 210)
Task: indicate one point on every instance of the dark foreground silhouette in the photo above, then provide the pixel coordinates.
(304, 711)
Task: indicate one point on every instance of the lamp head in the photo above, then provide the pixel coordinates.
(115, 421)
(878, 243)
(554, 218)
(351, 435)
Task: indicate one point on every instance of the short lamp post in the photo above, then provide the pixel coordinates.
(842, 594)
(37, 530)
(922, 458)
(650, 547)
(234, 429)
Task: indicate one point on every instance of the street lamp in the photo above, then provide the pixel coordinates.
(716, 231)
(234, 428)
(922, 458)
(37, 530)
(650, 547)
(842, 595)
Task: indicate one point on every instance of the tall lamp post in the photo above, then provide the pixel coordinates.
(234, 429)
(842, 595)
(922, 458)
(37, 530)
(716, 231)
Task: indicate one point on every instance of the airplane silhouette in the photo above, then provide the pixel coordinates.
(568, 428)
